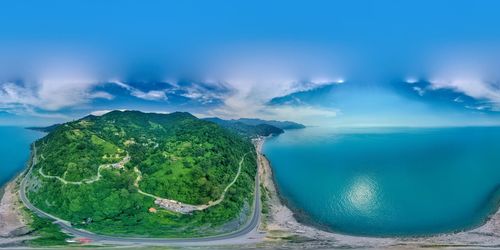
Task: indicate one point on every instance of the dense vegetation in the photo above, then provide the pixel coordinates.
(180, 157)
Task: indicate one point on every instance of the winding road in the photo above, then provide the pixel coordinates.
(86, 181)
(184, 207)
(247, 234)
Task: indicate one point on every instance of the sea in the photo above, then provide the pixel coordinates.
(15, 150)
(388, 181)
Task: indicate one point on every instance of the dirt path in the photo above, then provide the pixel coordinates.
(181, 207)
(248, 234)
(91, 180)
(165, 203)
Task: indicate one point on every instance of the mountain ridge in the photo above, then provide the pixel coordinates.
(101, 166)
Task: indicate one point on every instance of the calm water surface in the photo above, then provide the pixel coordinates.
(387, 182)
(14, 150)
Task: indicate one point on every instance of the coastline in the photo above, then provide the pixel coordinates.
(14, 228)
(282, 223)
(284, 229)
(14, 225)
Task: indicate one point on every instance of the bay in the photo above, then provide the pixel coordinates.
(389, 181)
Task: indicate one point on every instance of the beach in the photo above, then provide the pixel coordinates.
(14, 227)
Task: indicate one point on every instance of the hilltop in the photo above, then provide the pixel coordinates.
(102, 173)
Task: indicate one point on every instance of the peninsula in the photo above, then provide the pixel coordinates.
(128, 177)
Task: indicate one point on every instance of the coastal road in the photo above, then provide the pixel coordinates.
(247, 234)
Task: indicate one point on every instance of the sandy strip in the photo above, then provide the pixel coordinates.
(281, 223)
(13, 226)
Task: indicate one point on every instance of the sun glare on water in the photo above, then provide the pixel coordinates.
(362, 194)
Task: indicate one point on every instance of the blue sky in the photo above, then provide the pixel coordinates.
(345, 63)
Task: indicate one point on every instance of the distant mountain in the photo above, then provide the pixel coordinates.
(45, 129)
(278, 124)
(248, 127)
(248, 130)
(283, 125)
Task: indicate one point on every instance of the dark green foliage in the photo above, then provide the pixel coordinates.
(180, 157)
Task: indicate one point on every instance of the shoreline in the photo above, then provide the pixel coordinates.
(14, 225)
(285, 229)
(283, 222)
(16, 175)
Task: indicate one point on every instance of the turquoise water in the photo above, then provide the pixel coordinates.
(14, 150)
(385, 182)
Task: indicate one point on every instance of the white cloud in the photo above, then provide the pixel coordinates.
(480, 107)
(153, 95)
(205, 92)
(304, 114)
(470, 71)
(50, 94)
(241, 98)
(472, 87)
(420, 91)
(50, 87)
(249, 100)
(102, 95)
(26, 110)
(411, 80)
(121, 84)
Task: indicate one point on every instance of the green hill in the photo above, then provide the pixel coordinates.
(179, 156)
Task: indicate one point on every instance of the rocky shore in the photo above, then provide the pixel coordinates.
(283, 228)
(13, 226)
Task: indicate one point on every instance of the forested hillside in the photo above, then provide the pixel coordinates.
(88, 173)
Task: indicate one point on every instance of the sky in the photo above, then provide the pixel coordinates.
(321, 63)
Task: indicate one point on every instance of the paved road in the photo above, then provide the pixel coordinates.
(247, 234)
